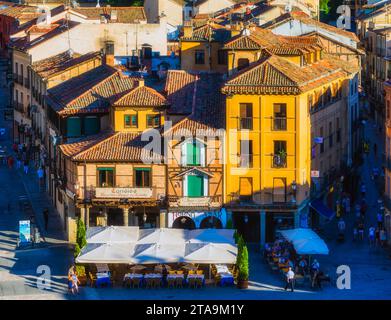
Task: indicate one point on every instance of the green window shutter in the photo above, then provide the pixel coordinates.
(195, 186)
(73, 127)
(106, 169)
(91, 125)
(189, 154)
(196, 155)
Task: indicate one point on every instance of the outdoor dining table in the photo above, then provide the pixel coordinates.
(133, 276)
(196, 276)
(102, 278)
(226, 278)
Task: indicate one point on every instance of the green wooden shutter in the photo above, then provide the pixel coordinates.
(196, 154)
(74, 127)
(91, 125)
(189, 154)
(195, 186)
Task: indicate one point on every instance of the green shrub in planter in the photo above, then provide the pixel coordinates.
(243, 265)
(80, 270)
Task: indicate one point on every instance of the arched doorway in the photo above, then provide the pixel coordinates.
(184, 223)
(211, 223)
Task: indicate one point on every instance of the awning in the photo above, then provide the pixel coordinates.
(305, 241)
(322, 209)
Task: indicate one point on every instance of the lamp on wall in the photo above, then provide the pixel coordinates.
(245, 218)
(145, 217)
(294, 189)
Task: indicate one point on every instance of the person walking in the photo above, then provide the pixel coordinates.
(371, 236)
(10, 162)
(383, 237)
(355, 232)
(290, 278)
(75, 283)
(40, 174)
(375, 149)
(46, 218)
(26, 166)
(361, 230)
(18, 160)
(377, 237)
(379, 219)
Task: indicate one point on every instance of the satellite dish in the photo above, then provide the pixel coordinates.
(288, 8)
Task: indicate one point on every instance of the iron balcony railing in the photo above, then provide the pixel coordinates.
(279, 124)
(279, 161)
(246, 123)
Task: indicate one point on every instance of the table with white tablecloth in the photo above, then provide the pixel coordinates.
(102, 278)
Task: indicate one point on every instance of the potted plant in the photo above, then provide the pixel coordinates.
(242, 264)
(81, 274)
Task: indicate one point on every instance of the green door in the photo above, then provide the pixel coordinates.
(195, 186)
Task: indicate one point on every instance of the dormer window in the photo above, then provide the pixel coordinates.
(193, 153)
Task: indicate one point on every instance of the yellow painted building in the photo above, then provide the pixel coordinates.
(201, 47)
(276, 86)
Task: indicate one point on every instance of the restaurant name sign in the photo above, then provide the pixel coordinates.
(132, 193)
(193, 202)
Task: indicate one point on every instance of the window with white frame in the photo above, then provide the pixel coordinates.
(195, 185)
(193, 153)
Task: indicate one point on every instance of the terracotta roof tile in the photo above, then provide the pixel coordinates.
(141, 96)
(124, 14)
(56, 64)
(257, 38)
(179, 89)
(275, 75)
(208, 112)
(92, 91)
(110, 147)
(209, 31)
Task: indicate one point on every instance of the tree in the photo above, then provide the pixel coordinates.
(80, 237)
(242, 260)
(324, 6)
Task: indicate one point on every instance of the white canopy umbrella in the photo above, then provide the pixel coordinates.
(305, 241)
(106, 253)
(211, 235)
(210, 253)
(162, 236)
(298, 234)
(158, 253)
(311, 247)
(112, 234)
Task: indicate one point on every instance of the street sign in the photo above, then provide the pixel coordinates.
(315, 174)
(24, 231)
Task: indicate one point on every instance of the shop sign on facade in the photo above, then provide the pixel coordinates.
(132, 193)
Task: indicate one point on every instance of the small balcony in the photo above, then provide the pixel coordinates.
(279, 124)
(246, 123)
(279, 160)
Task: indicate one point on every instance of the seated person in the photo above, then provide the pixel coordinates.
(282, 260)
(315, 266)
(291, 264)
(303, 266)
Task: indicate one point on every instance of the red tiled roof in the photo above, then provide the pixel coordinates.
(256, 38)
(124, 14)
(179, 89)
(275, 75)
(56, 64)
(141, 96)
(110, 147)
(92, 91)
(208, 113)
(62, 26)
(209, 32)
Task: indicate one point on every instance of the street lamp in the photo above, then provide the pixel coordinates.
(294, 188)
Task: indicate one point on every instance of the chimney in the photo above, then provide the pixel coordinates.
(235, 30)
(188, 29)
(109, 53)
(141, 82)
